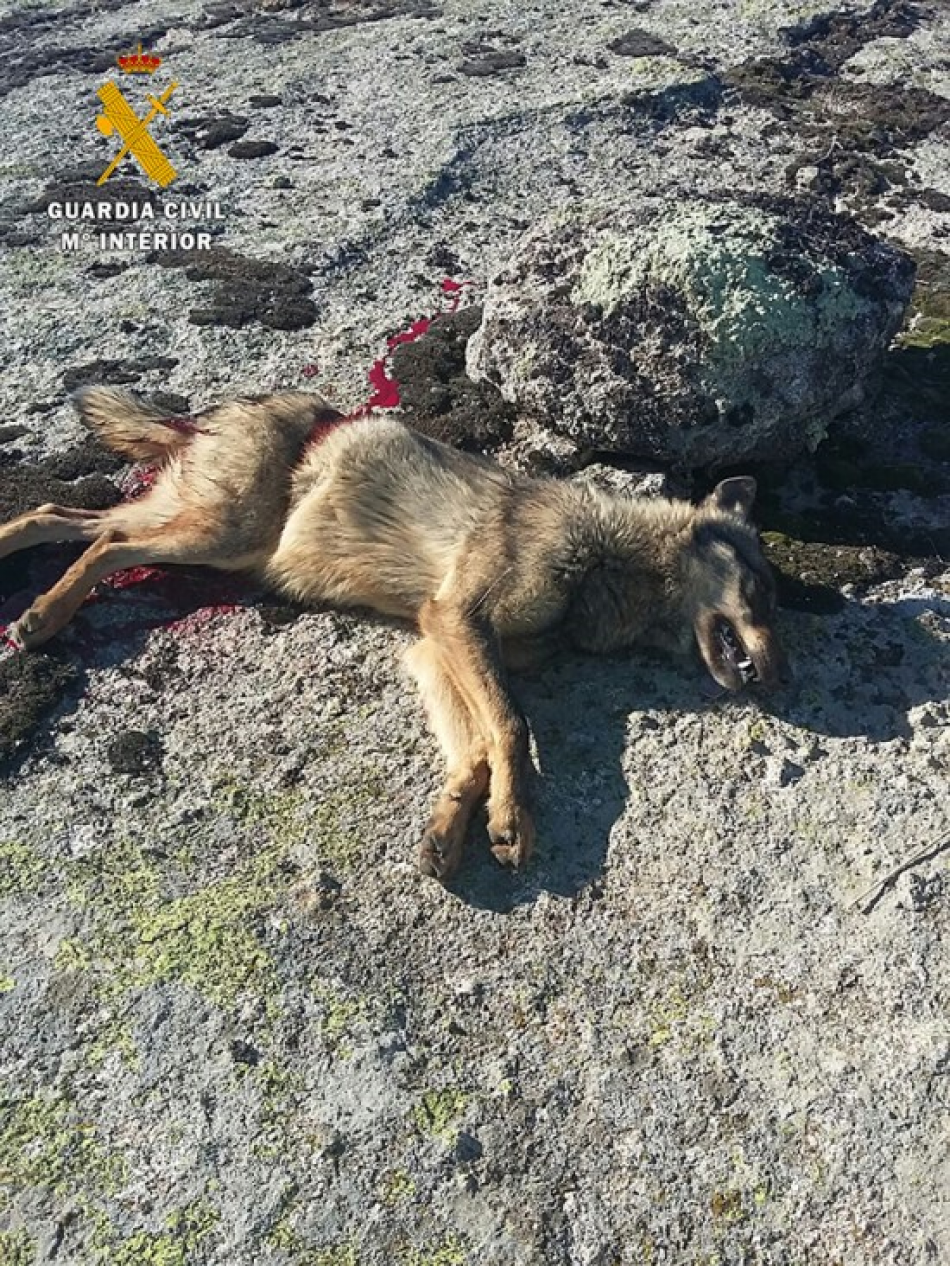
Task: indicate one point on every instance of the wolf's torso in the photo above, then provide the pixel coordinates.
(385, 518)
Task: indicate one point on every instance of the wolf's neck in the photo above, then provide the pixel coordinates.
(647, 531)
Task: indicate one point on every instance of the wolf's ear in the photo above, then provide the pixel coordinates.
(734, 496)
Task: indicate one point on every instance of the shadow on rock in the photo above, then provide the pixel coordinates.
(858, 674)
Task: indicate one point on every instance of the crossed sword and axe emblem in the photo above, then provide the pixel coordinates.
(119, 118)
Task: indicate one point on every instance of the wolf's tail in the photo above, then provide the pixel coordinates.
(128, 426)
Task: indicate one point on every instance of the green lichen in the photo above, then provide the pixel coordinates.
(926, 332)
(6, 982)
(21, 869)
(46, 1143)
(666, 1016)
(281, 814)
(720, 265)
(338, 824)
(342, 1255)
(340, 1017)
(438, 1113)
(397, 1185)
(279, 1087)
(17, 1248)
(143, 936)
(929, 323)
(185, 1230)
(113, 1036)
(449, 1253)
(300, 1253)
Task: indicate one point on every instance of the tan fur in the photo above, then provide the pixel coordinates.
(493, 568)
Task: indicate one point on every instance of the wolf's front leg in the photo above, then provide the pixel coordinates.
(469, 653)
(466, 753)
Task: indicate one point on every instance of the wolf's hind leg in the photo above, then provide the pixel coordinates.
(467, 754)
(178, 541)
(49, 524)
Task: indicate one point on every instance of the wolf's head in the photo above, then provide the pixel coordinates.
(730, 592)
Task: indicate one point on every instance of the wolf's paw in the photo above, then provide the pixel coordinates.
(512, 836)
(439, 854)
(30, 630)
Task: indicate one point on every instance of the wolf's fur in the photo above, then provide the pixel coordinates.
(493, 568)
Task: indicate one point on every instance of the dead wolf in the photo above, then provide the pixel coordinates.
(495, 569)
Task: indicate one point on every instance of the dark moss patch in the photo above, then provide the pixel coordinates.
(858, 523)
(246, 290)
(30, 49)
(836, 37)
(211, 131)
(135, 752)
(73, 478)
(869, 122)
(10, 433)
(439, 399)
(31, 686)
(87, 459)
(173, 404)
(491, 61)
(809, 574)
(277, 615)
(78, 184)
(31, 484)
(917, 384)
(933, 199)
(638, 43)
(162, 667)
(253, 149)
(844, 465)
(239, 19)
(114, 373)
(102, 270)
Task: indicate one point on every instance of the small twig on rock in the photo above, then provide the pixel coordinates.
(880, 886)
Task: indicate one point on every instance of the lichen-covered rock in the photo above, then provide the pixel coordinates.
(700, 333)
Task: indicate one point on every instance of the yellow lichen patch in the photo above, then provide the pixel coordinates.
(141, 936)
(302, 1254)
(17, 1248)
(185, 1229)
(341, 1015)
(438, 1113)
(21, 868)
(397, 1185)
(449, 1253)
(343, 1255)
(339, 823)
(666, 1016)
(44, 1142)
(6, 982)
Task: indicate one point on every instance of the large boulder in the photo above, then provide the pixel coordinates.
(698, 333)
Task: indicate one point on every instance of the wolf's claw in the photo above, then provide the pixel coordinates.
(27, 631)
(513, 844)
(439, 856)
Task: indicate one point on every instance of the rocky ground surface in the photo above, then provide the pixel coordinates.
(708, 1025)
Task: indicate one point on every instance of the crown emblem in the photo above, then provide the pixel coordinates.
(139, 63)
